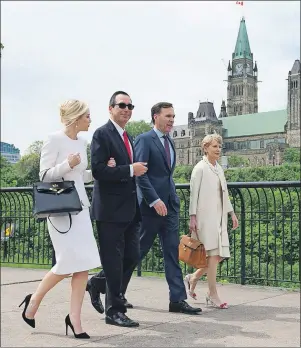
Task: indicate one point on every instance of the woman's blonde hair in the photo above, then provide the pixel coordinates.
(72, 110)
(208, 139)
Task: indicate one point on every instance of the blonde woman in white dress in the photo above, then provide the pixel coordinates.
(64, 155)
(209, 208)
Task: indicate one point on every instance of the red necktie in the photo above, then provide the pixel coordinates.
(127, 145)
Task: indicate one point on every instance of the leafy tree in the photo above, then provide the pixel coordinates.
(134, 128)
(35, 148)
(28, 169)
(237, 161)
(292, 155)
(284, 172)
(8, 173)
(182, 174)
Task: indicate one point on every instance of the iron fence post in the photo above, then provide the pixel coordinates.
(242, 238)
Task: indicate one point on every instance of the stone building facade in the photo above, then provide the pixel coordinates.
(293, 105)
(260, 138)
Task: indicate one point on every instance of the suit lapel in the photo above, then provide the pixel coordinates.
(160, 147)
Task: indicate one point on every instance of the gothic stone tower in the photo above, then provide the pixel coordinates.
(242, 93)
(205, 122)
(293, 105)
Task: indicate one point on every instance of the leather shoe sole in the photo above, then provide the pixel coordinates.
(182, 310)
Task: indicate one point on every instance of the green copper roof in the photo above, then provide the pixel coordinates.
(242, 47)
(251, 124)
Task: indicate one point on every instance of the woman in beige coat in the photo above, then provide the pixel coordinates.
(208, 210)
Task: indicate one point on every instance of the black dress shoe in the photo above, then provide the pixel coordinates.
(95, 297)
(183, 307)
(126, 303)
(120, 319)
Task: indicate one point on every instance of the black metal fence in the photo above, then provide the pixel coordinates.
(265, 249)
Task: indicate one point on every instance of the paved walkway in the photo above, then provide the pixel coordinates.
(258, 317)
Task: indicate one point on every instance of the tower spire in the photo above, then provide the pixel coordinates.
(242, 91)
(242, 47)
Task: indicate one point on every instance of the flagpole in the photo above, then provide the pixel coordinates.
(242, 9)
(241, 4)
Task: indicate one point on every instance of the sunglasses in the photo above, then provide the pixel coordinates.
(124, 105)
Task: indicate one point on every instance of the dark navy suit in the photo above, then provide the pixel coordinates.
(156, 184)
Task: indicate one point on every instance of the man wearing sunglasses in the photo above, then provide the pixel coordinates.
(115, 209)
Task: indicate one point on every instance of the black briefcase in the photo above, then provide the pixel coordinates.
(55, 199)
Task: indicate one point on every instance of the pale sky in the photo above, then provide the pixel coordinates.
(155, 51)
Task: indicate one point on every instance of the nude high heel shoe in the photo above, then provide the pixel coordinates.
(213, 304)
(189, 285)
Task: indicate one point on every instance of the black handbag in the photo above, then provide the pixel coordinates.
(55, 199)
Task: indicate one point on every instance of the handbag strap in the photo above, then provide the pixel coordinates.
(43, 177)
(70, 220)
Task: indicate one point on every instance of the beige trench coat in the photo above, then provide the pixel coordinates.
(203, 203)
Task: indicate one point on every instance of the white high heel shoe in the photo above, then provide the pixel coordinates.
(189, 284)
(213, 304)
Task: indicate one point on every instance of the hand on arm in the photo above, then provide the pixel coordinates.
(100, 153)
(137, 167)
(74, 160)
(49, 154)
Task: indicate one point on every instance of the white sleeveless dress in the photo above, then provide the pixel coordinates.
(76, 250)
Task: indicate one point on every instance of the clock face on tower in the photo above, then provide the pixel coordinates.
(238, 68)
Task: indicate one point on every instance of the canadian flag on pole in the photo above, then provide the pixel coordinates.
(241, 3)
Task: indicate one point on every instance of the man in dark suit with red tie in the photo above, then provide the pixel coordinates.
(115, 209)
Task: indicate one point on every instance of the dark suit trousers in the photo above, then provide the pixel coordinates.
(168, 229)
(119, 252)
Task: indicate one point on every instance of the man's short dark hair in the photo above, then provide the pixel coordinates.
(156, 109)
(113, 98)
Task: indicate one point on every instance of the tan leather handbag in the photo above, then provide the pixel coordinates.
(192, 252)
